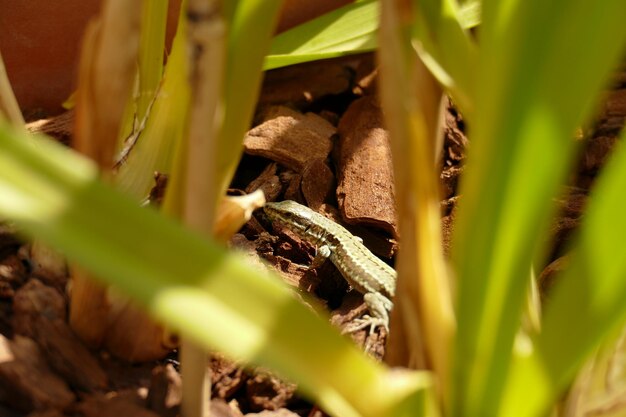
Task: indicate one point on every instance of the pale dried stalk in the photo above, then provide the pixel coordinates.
(206, 33)
(9, 107)
(107, 71)
(423, 320)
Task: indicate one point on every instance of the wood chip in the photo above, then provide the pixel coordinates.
(8, 235)
(59, 127)
(455, 141)
(281, 412)
(12, 274)
(304, 83)
(265, 391)
(26, 381)
(43, 413)
(34, 301)
(318, 183)
(290, 138)
(449, 179)
(227, 377)
(220, 408)
(268, 181)
(165, 391)
(615, 104)
(596, 152)
(100, 405)
(365, 189)
(68, 356)
(293, 190)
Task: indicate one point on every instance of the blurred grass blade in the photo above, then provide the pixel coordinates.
(249, 37)
(600, 387)
(589, 301)
(470, 13)
(411, 98)
(447, 49)
(522, 146)
(347, 30)
(9, 107)
(188, 282)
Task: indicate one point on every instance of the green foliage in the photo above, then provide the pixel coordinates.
(527, 107)
(350, 29)
(530, 80)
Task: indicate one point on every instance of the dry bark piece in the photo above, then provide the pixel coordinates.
(68, 356)
(133, 335)
(615, 104)
(59, 127)
(33, 302)
(247, 248)
(365, 172)
(449, 179)
(290, 138)
(8, 235)
(304, 83)
(220, 408)
(281, 412)
(26, 381)
(265, 391)
(12, 273)
(596, 152)
(547, 277)
(48, 265)
(570, 207)
(226, 376)
(447, 230)
(455, 142)
(43, 413)
(100, 405)
(293, 191)
(165, 391)
(366, 77)
(268, 181)
(317, 183)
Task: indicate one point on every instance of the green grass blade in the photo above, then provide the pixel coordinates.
(589, 301)
(153, 148)
(527, 108)
(194, 285)
(470, 13)
(151, 52)
(447, 49)
(411, 97)
(250, 32)
(347, 30)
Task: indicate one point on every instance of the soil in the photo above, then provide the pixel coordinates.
(318, 138)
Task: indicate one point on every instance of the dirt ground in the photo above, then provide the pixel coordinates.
(318, 138)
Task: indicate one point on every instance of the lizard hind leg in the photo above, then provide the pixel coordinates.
(379, 307)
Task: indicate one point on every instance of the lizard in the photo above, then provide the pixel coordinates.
(363, 271)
